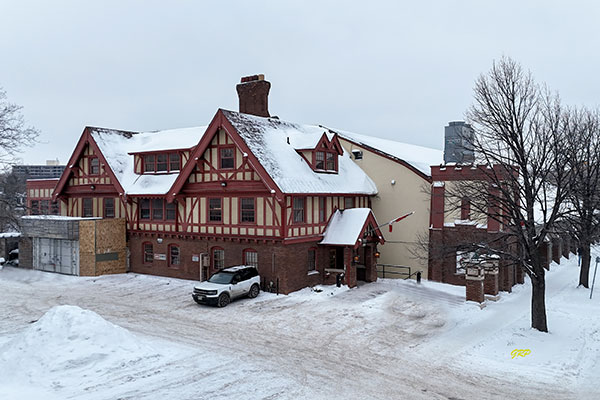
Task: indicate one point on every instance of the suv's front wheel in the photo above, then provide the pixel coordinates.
(224, 300)
(253, 291)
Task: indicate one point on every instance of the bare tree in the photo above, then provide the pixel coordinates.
(14, 134)
(583, 149)
(519, 138)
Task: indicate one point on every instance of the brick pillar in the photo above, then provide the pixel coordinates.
(474, 284)
(506, 275)
(556, 250)
(490, 281)
(371, 264)
(350, 275)
(566, 246)
(520, 274)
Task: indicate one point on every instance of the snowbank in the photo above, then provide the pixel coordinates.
(66, 342)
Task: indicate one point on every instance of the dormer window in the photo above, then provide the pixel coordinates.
(331, 161)
(320, 160)
(161, 163)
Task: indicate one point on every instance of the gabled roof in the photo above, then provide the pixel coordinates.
(418, 158)
(346, 227)
(267, 139)
(116, 146)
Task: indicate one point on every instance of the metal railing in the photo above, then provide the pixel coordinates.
(392, 271)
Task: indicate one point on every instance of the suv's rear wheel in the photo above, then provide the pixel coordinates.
(224, 300)
(254, 289)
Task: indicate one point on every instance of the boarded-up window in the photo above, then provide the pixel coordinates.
(88, 207)
(321, 209)
(247, 210)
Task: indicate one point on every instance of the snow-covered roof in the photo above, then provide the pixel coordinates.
(4, 235)
(421, 158)
(116, 145)
(267, 138)
(345, 226)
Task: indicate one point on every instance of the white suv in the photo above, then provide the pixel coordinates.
(227, 284)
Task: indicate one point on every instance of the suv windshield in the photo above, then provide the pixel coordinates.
(221, 277)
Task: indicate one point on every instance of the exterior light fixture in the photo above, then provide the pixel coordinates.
(355, 258)
(377, 254)
(159, 240)
(93, 187)
(223, 183)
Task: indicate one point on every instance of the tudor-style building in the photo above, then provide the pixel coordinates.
(246, 189)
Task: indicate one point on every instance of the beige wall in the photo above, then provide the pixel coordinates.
(409, 193)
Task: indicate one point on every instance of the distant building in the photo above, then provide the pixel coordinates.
(458, 137)
(51, 170)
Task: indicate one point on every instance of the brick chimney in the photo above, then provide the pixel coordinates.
(253, 92)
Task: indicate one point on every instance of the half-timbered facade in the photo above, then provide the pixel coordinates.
(242, 190)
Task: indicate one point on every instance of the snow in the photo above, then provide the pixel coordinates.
(116, 147)
(421, 158)
(267, 138)
(143, 337)
(345, 226)
(57, 217)
(9, 235)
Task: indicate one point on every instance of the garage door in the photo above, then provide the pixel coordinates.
(56, 255)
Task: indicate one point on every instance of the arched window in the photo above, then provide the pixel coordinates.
(218, 258)
(148, 253)
(174, 255)
(250, 257)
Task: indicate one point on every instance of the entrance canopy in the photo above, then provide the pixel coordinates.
(352, 227)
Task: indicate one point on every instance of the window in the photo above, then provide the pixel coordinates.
(44, 207)
(55, 208)
(174, 259)
(227, 158)
(144, 209)
(465, 209)
(161, 163)
(148, 253)
(215, 211)
(320, 160)
(157, 209)
(331, 162)
(149, 163)
(109, 207)
(88, 207)
(251, 257)
(171, 211)
(322, 209)
(94, 166)
(312, 260)
(174, 162)
(247, 210)
(298, 209)
(35, 207)
(348, 202)
(218, 258)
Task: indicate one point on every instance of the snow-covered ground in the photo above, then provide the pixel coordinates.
(142, 337)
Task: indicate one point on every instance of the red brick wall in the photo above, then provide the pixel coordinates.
(290, 261)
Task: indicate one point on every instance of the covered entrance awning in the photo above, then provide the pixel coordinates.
(352, 227)
(352, 236)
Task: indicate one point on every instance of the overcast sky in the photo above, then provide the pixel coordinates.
(393, 69)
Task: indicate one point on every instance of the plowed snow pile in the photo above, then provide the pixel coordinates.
(68, 342)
